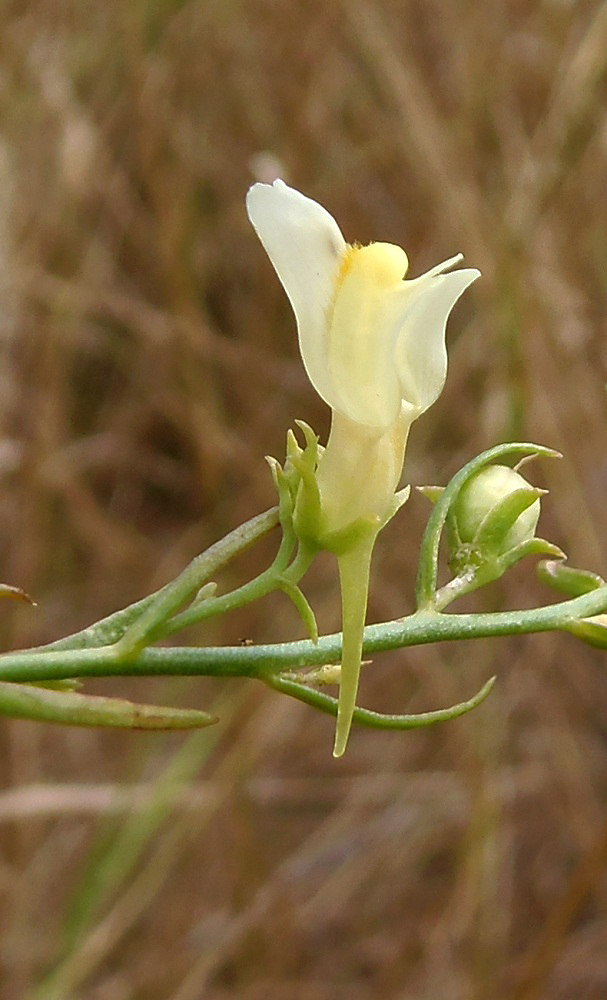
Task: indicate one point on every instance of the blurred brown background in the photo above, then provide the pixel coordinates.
(149, 362)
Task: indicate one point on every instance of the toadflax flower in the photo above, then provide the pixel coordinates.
(373, 346)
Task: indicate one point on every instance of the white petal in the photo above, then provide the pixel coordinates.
(421, 355)
(360, 350)
(305, 245)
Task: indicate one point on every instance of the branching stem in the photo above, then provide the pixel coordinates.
(421, 628)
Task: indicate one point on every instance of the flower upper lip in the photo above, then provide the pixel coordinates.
(370, 340)
(305, 246)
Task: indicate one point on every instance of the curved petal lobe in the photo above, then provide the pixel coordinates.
(420, 353)
(306, 247)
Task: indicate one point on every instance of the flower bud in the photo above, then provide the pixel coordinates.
(481, 506)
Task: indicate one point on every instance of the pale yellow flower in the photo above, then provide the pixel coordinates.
(373, 346)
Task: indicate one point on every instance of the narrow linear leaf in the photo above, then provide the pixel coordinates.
(303, 607)
(24, 701)
(376, 720)
(566, 579)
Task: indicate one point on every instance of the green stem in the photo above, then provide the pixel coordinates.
(270, 580)
(156, 606)
(459, 586)
(263, 584)
(253, 661)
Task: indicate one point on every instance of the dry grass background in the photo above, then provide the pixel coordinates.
(149, 362)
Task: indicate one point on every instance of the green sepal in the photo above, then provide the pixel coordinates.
(306, 497)
(282, 482)
(492, 533)
(493, 530)
(532, 547)
(495, 568)
(431, 493)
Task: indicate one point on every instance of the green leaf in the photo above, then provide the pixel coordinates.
(566, 579)
(25, 701)
(376, 720)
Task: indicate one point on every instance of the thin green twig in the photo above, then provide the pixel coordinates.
(375, 720)
(113, 628)
(420, 628)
